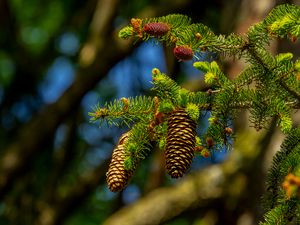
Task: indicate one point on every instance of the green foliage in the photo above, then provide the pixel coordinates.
(123, 111)
(278, 215)
(277, 171)
(138, 144)
(268, 87)
(126, 32)
(193, 111)
(166, 88)
(284, 21)
(285, 161)
(35, 33)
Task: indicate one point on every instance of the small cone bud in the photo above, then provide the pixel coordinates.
(228, 130)
(198, 36)
(205, 153)
(209, 142)
(136, 23)
(183, 53)
(156, 29)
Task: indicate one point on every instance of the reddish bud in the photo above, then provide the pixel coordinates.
(285, 185)
(155, 71)
(292, 38)
(205, 153)
(198, 149)
(209, 142)
(203, 49)
(125, 103)
(156, 29)
(136, 23)
(228, 130)
(298, 76)
(159, 117)
(209, 91)
(291, 185)
(198, 36)
(183, 53)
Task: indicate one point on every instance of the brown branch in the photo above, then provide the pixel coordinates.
(290, 90)
(56, 211)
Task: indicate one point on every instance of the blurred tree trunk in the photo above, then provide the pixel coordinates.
(99, 54)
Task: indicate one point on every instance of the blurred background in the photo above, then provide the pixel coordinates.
(60, 58)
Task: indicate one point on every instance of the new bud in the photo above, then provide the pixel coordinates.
(183, 52)
(156, 29)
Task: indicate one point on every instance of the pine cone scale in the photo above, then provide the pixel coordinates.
(117, 177)
(180, 145)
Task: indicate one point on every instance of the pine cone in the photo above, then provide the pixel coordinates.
(180, 144)
(117, 177)
(156, 28)
(183, 52)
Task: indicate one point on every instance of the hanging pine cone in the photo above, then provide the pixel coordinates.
(117, 177)
(180, 144)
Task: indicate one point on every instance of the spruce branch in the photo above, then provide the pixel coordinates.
(283, 21)
(292, 92)
(278, 215)
(138, 145)
(268, 87)
(124, 110)
(277, 172)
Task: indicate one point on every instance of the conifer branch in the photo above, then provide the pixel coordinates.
(123, 111)
(290, 90)
(268, 88)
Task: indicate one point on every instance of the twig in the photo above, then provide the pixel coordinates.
(289, 90)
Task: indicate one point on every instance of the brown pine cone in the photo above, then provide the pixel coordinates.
(117, 177)
(180, 144)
